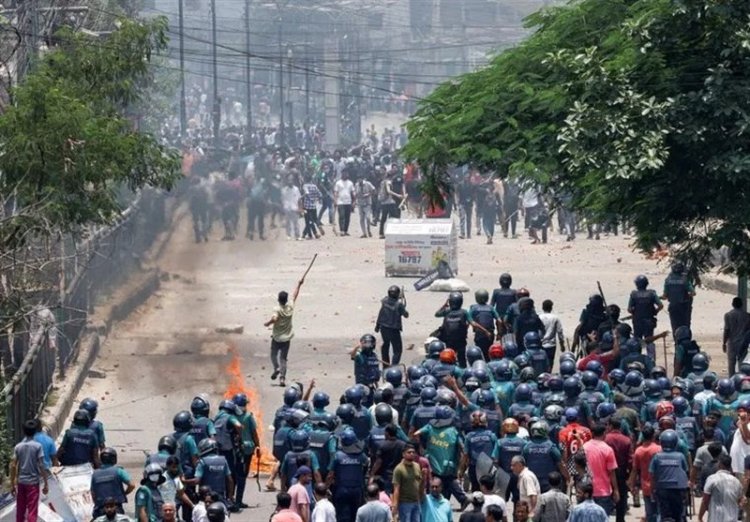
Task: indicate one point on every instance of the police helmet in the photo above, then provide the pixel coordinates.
(328, 421)
(605, 410)
(680, 405)
(486, 399)
(347, 438)
(531, 340)
(346, 413)
(641, 282)
(539, 430)
(503, 371)
(429, 381)
(571, 387)
(505, 280)
(302, 405)
(291, 395)
(81, 418)
(443, 416)
(482, 296)
(108, 456)
(683, 334)
(523, 393)
(240, 399)
(607, 342)
(651, 388)
(471, 384)
(521, 360)
(394, 292)
(207, 446)
(700, 362)
(617, 376)
(90, 405)
(299, 440)
(428, 396)
(541, 381)
(589, 379)
(168, 444)
(297, 418)
(633, 379)
(151, 472)
(658, 371)
(455, 300)
(553, 413)
(383, 414)
(632, 346)
(200, 406)
(414, 372)
(353, 395)
(182, 421)
(321, 400)
(555, 384)
(434, 349)
(367, 342)
(668, 440)
(678, 267)
(394, 377)
(511, 349)
(216, 512)
(709, 380)
(229, 407)
(596, 367)
(725, 388)
(446, 397)
(474, 353)
(567, 368)
(571, 414)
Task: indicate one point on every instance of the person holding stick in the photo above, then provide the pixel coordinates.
(282, 332)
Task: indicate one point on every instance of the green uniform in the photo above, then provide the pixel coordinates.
(442, 448)
(249, 428)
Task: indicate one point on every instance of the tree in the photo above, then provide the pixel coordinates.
(637, 108)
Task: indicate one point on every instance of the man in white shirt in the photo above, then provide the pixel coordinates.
(290, 197)
(553, 330)
(528, 484)
(343, 195)
(486, 485)
(324, 510)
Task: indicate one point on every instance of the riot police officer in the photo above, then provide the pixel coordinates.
(80, 444)
(110, 481)
(389, 324)
(679, 291)
(670, 477)
(250, 444)
(92, 406)
(166, 447)
(455, 326)
(643, 305)
(148, 499)
(477, 442)
(214, 471)
(487, 317)
(347, 474)
(366, 364)
(503, 297)
(203, 426)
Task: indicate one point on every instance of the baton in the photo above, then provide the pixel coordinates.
(257, 470)
(309, 266)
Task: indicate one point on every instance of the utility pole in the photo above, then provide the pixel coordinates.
(281, 92)
(290, 99)
(309, 62)
(332, 98)
(248, 81)
(183, 106)
(216, 101)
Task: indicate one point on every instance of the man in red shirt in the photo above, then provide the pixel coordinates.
(596, 354)
(640, 474)
(622, 446)
(602, 465)
(572, 438)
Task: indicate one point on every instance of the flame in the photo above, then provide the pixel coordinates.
(237, 385)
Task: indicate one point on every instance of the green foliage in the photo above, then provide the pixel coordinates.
(68, 144)
(637, 108)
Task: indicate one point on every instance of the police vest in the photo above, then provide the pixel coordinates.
(539, 459)
(643, 306)
(503, 298)
(279, 418)
(441, 370)
(281, 443)
(400, 395)
(157, 458)
(483, 315)
(223, 432)
(522, 409)
(199, 431)
(592, 398)
(538, 360)
(319, 445)
(636, 401)
(422, 416)
(455, 326)
(154, 504)
(494, 420)
(105, 483)
(390, 314)
(504, 393)
(377, 438)
(349, 470)
(78, 445)
(292, 461)
(361, 423)
(557, 399)
(669, 473)
(214, 474)
(676, 288)
(509, 448)
(367, 368)
(480, 441)
(186, 459)
(688, 427)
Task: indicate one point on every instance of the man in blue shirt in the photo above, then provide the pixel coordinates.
(587, 510)
(48, 446)
(435, 507)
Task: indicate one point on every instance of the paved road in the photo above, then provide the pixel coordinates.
(167, 351)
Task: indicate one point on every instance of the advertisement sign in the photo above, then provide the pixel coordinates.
(415, 247)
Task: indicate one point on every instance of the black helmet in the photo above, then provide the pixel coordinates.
(367, 342)
(108, 456)
(215, 512)
(82, 418)
(482, 296)
(434, 348)
(641, 282)
(455, 300)
(394, 292)
(678, 267)
(229, 407)
(200, 406)
(302, 405)
(90, 405)
(683, 334)
(207, 446)
(346, 413)
(291, 395)
(383, 414)
(183, 421)
(153, 469)
(168, 444)
(505, 280)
